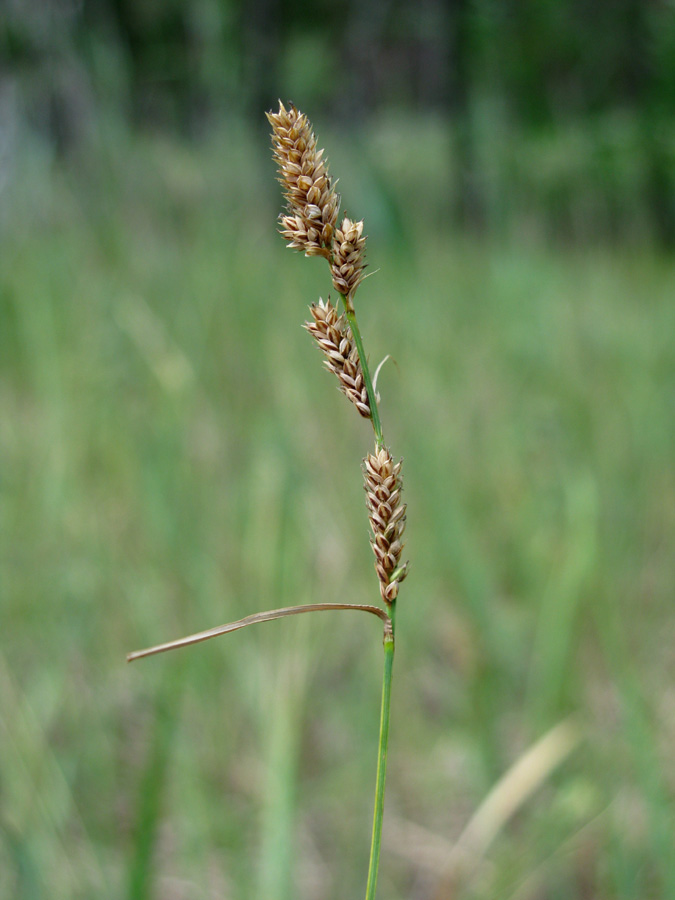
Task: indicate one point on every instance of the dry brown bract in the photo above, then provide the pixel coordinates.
(335, 340)
(309, 223)
(348, 257)
(387, 519)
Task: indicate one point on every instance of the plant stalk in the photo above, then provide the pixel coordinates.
(378, 814)
(354, 326)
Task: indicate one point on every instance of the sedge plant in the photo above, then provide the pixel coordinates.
(310, 225)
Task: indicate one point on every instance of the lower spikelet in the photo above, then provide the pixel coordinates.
(383, 487)
(335, 340)
(348, 257)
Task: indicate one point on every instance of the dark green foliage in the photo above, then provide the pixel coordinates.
(592, 82)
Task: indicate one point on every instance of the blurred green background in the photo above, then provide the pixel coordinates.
(172, 456)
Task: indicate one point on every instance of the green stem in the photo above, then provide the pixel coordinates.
(375, 414)
(381, 760)
(378, 814)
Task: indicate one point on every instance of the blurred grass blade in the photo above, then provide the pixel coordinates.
(283, 708)
(515, 787)
(561, 603)
(641, 739)
(39, 814)
(164, 357)
(153, 788)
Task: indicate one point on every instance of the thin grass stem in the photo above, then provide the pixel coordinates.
(383, 744)
(354, 326)
(378, 814)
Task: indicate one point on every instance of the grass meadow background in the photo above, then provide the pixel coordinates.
(174, 457)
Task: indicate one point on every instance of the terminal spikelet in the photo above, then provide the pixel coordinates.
(312, 204)
(335, 340)
(383, 487)
(348, 257)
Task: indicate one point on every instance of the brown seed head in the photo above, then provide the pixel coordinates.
(335, 340)
(309, 224)
(383, 487)
(348, 257)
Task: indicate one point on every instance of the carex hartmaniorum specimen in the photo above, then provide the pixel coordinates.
(310, 224)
